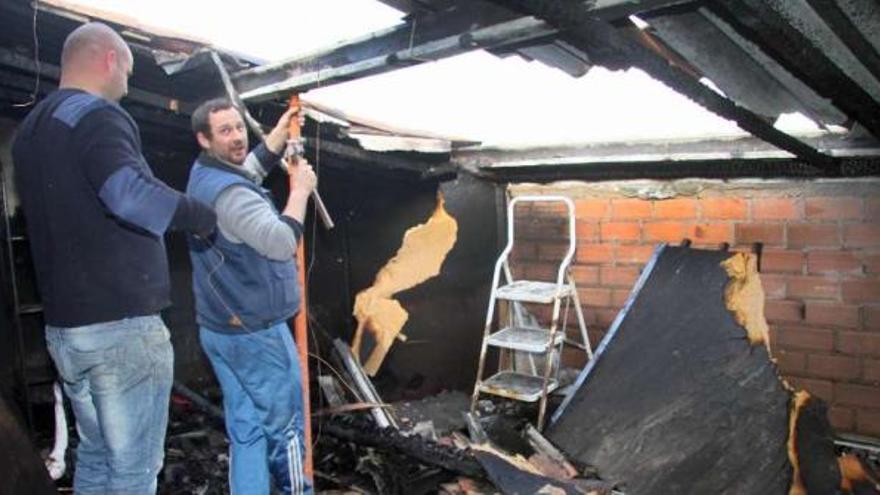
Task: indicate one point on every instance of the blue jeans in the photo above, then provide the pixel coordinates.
(262, 399)
(118, 377)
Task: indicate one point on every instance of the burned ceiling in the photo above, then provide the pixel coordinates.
(816, 57)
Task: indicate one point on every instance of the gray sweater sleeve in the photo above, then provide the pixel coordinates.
(259, 162)
(244, 216)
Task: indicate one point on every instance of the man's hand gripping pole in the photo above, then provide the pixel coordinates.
(295, 149)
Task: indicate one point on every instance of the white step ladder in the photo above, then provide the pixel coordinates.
(523, 338)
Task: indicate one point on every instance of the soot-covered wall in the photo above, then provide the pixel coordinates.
(446, 313)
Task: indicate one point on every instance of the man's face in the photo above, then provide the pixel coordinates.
(228, 140)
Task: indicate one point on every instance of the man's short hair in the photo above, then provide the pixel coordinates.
(200, 116)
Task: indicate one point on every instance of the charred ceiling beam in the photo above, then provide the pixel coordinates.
(763, 25)
(52, 73)
(706, 169)
(619, 50)
(412, 169)
(844, 29)
(424, 38)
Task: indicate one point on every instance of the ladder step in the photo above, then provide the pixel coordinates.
(517, 386)
(532, 291)
(524, 339)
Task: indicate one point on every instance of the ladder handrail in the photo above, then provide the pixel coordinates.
(572, 242)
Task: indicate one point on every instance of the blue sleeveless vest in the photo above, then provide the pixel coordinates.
(236, 288)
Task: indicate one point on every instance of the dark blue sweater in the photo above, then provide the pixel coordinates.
(95, 214)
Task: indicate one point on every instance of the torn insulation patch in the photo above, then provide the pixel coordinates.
(744, 296)
(419, 258)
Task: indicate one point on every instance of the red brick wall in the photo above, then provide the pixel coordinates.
(820, 266)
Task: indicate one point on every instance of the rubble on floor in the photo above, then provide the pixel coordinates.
(196, 450)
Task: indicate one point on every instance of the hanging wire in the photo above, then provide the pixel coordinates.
(33, 97)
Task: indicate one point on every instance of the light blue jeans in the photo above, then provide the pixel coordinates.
(262, 399)
(118, 377)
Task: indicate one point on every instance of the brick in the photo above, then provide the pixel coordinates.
(834, 367)
(832, 314)
(871, 371)
(619, 297)
(724, 208)
(676, 208)
(768, 234)
(620, 231)
(871, 262)
(592, 296)
(822, 389)
(842, 418)
(867, 291)
(541, 271)
(605, 317)
(859, 343)
(857, 395)
(524, 251)
(554, 209)
(861, 235)
(812, 287)
(797, 337)
(872, 209)
(552, 251)
(781, 261)
(868, 422)
(871, 317)
(774, 286)
(833, 261)
(530, 228)
(633, 254)
(630, 208)
(831, 208)
(813, 235)
(775, 209)
(586, 231)
(672, 232)
(585, 275)
(619, 276)
(791, 361)
(596, 333)
(591, 208)
(783, 311)
(714, 233)
(595, 253)
(774, 340)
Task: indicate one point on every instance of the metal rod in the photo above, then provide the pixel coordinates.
(197, 399)
(321, 209)
(364, 385)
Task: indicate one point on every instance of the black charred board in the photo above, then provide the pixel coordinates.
(21, 468)
(677, 400)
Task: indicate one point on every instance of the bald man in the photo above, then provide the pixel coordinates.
(96, 217)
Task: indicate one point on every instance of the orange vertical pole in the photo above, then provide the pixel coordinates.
(300, 321)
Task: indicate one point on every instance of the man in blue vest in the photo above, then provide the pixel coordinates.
(245, 284)
(95, 219)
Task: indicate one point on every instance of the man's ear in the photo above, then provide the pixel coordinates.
(110, 60)
(203, 140)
